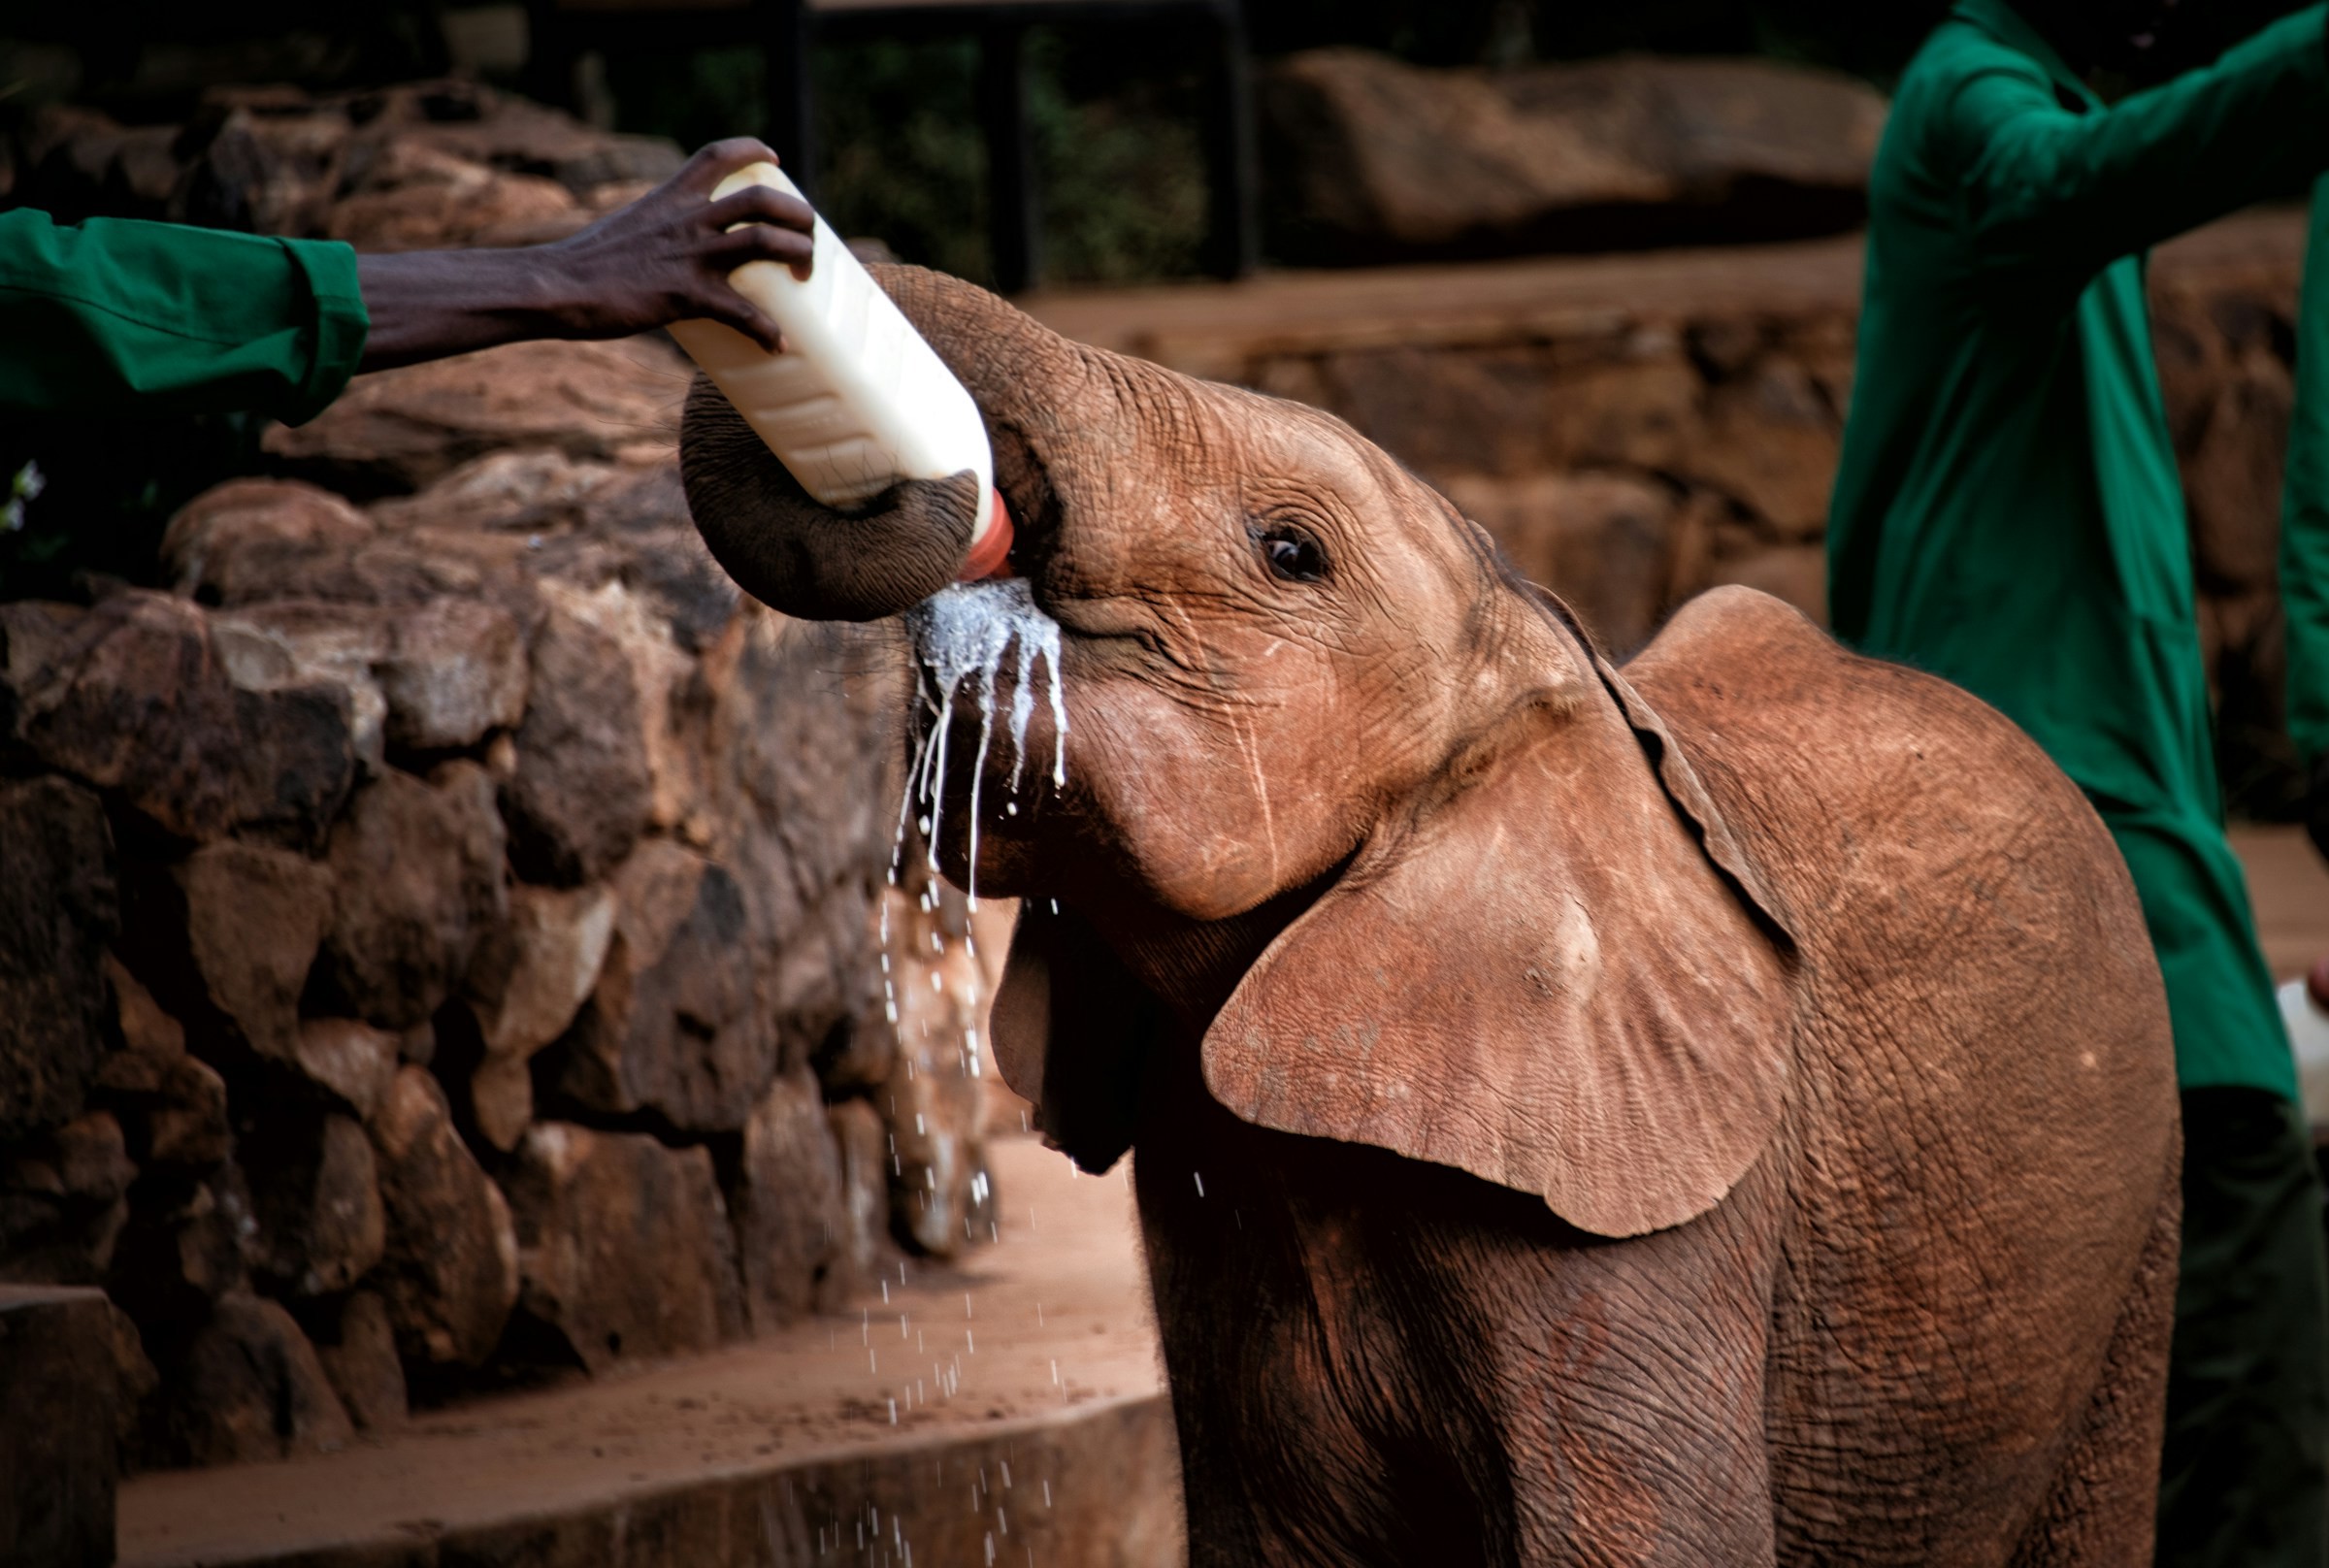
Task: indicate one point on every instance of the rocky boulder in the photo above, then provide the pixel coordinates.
(1369, 160)
(131, 697)
(671, 1029)
(59, 906)
(316, 1198)
(226, 938)
(580, 793)
(624, 1246)
(789, 1200)
(418, 869)
(449, 1271)
(248, 1388)
(529, 979)
(358, 1350)
(396, 430)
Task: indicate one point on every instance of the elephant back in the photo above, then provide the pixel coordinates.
(1986, 1113)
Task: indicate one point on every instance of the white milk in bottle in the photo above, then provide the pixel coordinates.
(856, 401)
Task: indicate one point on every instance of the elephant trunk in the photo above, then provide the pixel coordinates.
(806, 559)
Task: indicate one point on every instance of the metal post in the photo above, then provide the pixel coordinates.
(784, 30)
(1232, 248)
(1014, 213)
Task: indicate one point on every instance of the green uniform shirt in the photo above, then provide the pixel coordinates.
(2008, 512)
(2305, 509)
(117, 316)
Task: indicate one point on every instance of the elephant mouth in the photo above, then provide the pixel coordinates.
(989, 683)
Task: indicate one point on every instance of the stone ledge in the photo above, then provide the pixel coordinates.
(1028, 1407)
(58, 1407)
(1220, 329)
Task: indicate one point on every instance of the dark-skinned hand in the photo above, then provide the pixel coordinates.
(664, 258)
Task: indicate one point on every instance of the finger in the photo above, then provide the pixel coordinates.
(761, 204)
(759, 242)
(726, 305)
(715, 161)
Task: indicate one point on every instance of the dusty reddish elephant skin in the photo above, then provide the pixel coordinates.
(1717, 1111)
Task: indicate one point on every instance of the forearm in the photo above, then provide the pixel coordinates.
(2050, 188)
(428, 303)
(120, 316)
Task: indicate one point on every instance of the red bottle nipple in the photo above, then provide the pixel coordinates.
(990, 554)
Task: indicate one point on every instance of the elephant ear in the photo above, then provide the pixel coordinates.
(1549, 978)
(1073, 1032)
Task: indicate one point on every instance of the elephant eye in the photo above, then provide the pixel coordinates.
(1293, 554)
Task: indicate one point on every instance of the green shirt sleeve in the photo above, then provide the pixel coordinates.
(2305, 504)
(2055, 181)
(118, 316)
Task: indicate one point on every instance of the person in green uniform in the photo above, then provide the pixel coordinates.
(2007, 515)
(2304, 540)
(123, 316)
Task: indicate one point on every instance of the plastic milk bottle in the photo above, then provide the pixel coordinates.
(856, 401)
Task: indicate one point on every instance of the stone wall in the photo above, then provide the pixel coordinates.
(1637, 429)
(441, 942)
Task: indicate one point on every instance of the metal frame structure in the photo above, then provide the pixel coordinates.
(789, 31)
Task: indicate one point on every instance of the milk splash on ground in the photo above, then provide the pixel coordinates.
(962, 635)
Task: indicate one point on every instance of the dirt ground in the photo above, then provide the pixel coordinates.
(1054, 1318)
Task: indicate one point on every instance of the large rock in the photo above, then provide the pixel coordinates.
(791, 1205)
(672, 747)
(449, 1273)
(58, 907)
(623, 1243)
(320, 1223)
(581, 791)
(423, 198)
(670, 1028)
(1771, 443)
(59, 1390)
(418, 867)
(186, 1246)
(348, 1060)
(529, 490)
(235, 540)
(260, 169)
(63, 1201)
(248, 1387)
(226, 937)
(1599, 540)
(130, 697)
(529, 979)
(435, 677)
(396, 430)
(1370, 159)
(454, 671)
(251, 542)
(171, 1108)
(358, 1352)
(302, 642)
(509, 133)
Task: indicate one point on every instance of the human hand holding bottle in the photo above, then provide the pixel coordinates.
(664, 258)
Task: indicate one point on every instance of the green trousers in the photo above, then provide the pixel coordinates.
(2244, 1476)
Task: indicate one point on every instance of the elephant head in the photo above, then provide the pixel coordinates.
(1349, 809)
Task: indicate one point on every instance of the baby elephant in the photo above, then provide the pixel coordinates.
(1717, 1111)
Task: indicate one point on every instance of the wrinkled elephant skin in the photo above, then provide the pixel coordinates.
(1719, 1111)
